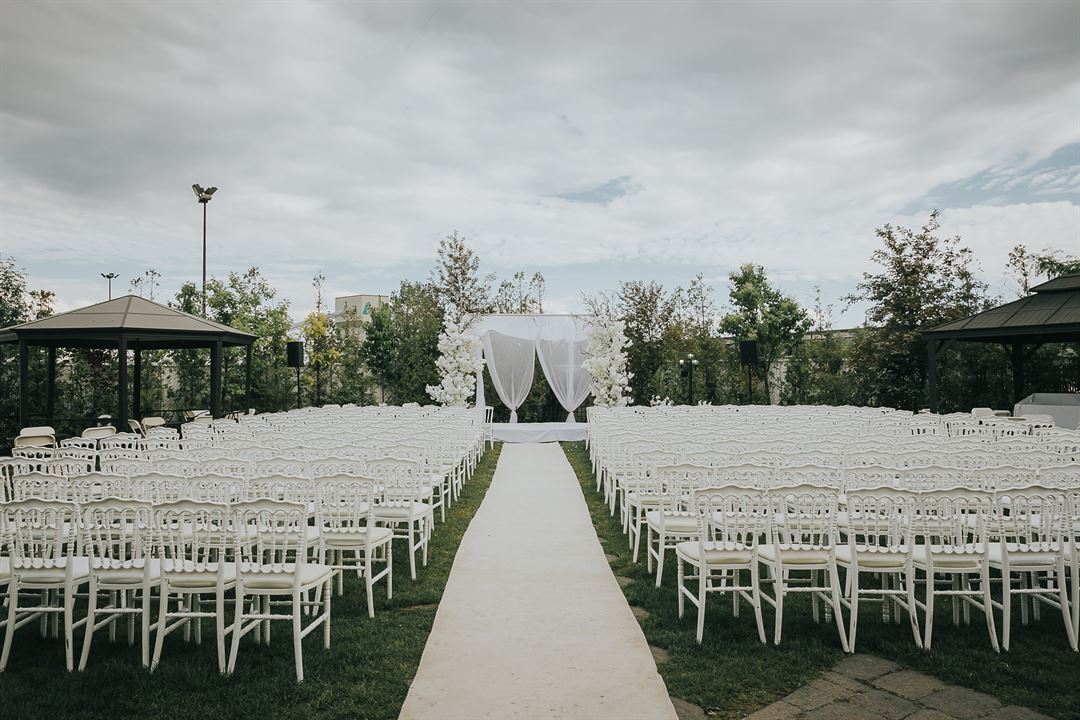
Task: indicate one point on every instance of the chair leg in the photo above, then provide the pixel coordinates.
(326, 622)
(988, 607)
(913, 611)
(69, 617)
(1063, 600)
(834, 601)
(778, 590)
(9, 629)
(703, 585)
(219, 619)
(755, 593)
(412, 553)
(298, 647)
(144, 618)
(853, 599)
(91, 618)
(660, 552)
(929, 609)
(237, 629)
(1006, 606)
(369, 572)
(680, 572)
(163, 614)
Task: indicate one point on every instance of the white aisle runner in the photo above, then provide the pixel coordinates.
(532, 623)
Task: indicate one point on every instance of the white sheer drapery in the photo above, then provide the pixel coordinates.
(561, 349)
(558, 340)
(510, 361)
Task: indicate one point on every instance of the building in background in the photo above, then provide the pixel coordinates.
(364, 305)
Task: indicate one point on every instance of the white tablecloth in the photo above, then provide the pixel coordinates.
(539, 432)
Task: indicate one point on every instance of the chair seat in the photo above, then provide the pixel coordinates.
(794, 555)
(399, 512)
(355, 537)
(873, 560)
(203, 578)
(128, 573)
(675, 523)
(968, 559)
(643, 500)
(715, 553)
(1023, 558)
(311, 574)
(53, 574)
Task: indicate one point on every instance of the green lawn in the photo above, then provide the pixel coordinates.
(732, 674)
(364, 675)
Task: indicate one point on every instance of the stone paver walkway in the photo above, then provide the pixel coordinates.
(532, 623)
(865, 687)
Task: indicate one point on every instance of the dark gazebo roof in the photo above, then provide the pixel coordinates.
(151, 325)
(1050, 314)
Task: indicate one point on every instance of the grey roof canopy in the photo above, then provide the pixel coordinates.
(1050, 314)
(136, 319)
(126, 323)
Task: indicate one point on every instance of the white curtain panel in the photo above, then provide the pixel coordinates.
(511, 342)
(561, 348)
(510, 360)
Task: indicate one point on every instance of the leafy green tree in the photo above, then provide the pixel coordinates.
(761, 312)
(14, 309)
(354, 381)
(401, 344)
(924, 280)
(455, 279)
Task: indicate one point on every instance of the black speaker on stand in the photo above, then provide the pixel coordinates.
(748, 356)
(294, 352)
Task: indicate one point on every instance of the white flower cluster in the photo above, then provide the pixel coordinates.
(657, 401)
(606, 363)
(459, 360)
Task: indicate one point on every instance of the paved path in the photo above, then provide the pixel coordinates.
(533, 623)
(865, 687)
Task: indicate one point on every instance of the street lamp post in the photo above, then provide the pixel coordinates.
(203, 196)
(109, 277)
(689, 364)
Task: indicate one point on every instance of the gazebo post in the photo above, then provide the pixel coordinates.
(215, 379)
(136, 383)
(931, 375)
(50, 385)
(1017, 354)
(122, 382)
(24, 384)
(247, 378)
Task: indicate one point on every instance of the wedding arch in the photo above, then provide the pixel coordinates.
(508, 345)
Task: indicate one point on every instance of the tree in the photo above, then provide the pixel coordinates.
(653, 320)
(147, 284)
(761, 312)
(456, 282)
(818, 372)
(924, 281)
(402, 342)
(14, 309)
(518, 296)
(1027, 266)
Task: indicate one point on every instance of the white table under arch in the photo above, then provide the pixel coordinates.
(509, 342)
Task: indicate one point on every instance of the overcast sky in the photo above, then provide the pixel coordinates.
(595, 142)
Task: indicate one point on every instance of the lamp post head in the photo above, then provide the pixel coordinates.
(203, 195)
(110, 276)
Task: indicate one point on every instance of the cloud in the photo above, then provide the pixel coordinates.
(351, 137)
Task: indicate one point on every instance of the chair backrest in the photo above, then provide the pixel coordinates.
(344, 504)
(192, 537)
(734, 517)
(803, 516)
(953, 519)
(115, 532)
(272, 538)
(877, 519)
(24, 440)
(1031, 519)
(96, 433)
(37, 532)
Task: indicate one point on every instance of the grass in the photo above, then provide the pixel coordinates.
(365, 674)
(732, 674)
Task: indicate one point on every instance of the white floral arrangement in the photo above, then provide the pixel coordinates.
(657, 401)
(459, 361)
(605, 361)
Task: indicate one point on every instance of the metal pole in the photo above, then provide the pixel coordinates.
(50, 385)
(298, 388)
(215, 379)
(691, 382)
(122, 385)
(247, 379)
(204, 258)
(24, 384)
(110, 288)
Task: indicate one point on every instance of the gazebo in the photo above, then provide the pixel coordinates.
(126, 323)
(1050, 314)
